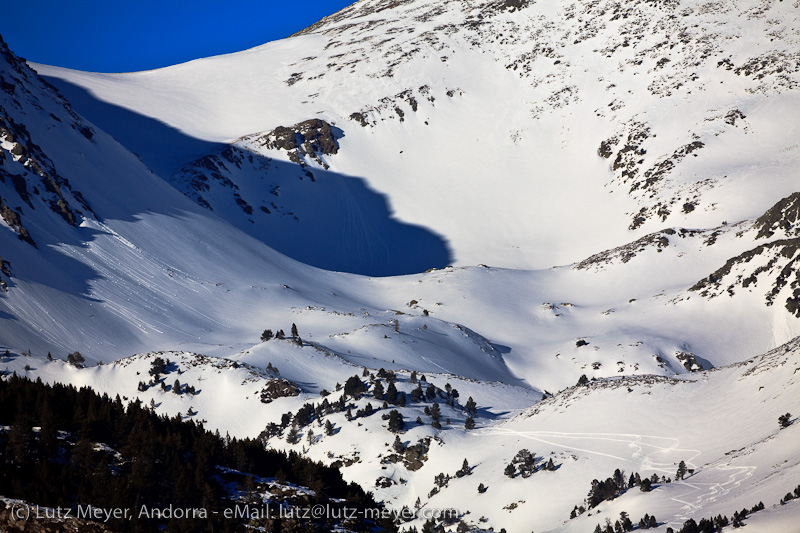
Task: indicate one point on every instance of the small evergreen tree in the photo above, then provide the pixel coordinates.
(294, 436)
(469, 423)
(391, 393)
(471, 407)
(681, 470)
(266, 335)
(294, 330)
(354, 387)
(785, 420)
(465, 469)
(76, 359)
(436, 412)
(328, 428)
(430, 392)
(417, 394)
(396, 423)
(510, 470)
(625, 521)
(481, 488)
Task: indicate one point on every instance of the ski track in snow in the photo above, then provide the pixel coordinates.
(711, 491)
(703, 493)
(633, 440)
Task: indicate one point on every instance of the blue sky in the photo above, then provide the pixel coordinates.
(123, 36)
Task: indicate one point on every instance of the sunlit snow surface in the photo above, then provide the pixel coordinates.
(579, 185)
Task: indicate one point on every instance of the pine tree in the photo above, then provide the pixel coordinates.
(681, 470)
(391, 393)
(294, 330)
(784, 420)
(176, 387)
(471, 407)
(510, 470)
(354, 387)
(397, 446)
(396, 423)
(417, 394)
(328, 427)
(469, 423)
(436, 412)
(465, 469)
(430, 392)
(76, 359)
(294, 436)
(625, 521)
(481, 488)
(266, 335)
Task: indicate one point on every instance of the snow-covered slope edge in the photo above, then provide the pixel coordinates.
(722, 423)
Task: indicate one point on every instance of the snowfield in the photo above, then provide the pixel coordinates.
(504, 197)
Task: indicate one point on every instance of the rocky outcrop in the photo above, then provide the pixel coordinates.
(771, 267)
(278, 388)
(14, 221)
(784, 216)
(310, 138)
(30, 179)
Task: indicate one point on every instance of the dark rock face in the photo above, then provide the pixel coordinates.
(309, 138)
(689, 361)
(14, 221)
(279, 388)
(28, 177)
(772, 266)
(781, 257)
(785, 216)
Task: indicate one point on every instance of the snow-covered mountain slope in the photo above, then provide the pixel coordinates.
(723, 423)
(615, 184)
(525, 134)
(140, 272)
